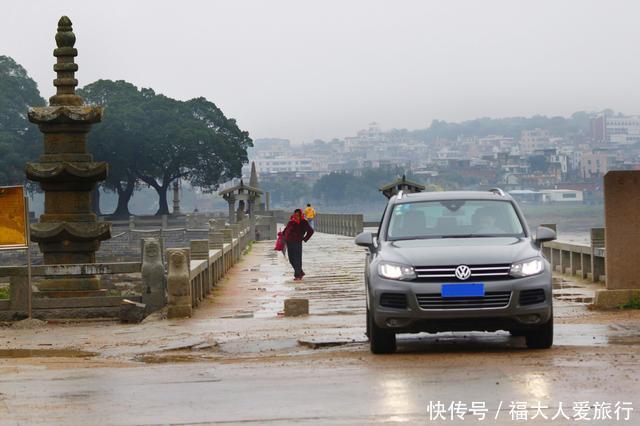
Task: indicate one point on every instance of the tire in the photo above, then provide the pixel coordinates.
(380, 341)
(542, 338)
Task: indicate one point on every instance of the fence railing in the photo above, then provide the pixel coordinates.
(340, 224)
(198, 268)
(586, 261)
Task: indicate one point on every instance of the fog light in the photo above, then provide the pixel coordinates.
(529, 319)
(397, 322)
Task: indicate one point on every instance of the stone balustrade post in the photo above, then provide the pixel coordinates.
(19, 295)
(132, 222)
(216, 240)
(228, 239)
(165, 223)
(178, 284)
(153, 278)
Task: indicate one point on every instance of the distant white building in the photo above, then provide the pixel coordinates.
(616, 130)
(561, 195)
(547, 195)
(623, 130)
(287, 164)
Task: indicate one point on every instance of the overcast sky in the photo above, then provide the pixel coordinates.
(321, 69)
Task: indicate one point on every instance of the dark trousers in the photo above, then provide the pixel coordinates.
(294, 251)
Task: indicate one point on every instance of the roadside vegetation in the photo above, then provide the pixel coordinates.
(634, 303)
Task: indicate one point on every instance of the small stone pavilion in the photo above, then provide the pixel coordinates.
(401, 184)
(68, 232)
(247, 196)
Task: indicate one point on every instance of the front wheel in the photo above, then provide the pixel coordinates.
(542, 338)
(381, 341)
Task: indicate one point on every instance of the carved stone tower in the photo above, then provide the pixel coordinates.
(68, 232)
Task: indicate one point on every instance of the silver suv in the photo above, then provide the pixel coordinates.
(456, 261)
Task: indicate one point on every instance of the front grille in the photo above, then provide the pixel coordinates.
(491, 299)
(443, 274)
(393, 300)
(531, 297)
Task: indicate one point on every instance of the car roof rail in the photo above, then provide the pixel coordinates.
(498, 191)
(400, 194)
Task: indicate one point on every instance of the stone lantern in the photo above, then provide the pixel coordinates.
(68, 232)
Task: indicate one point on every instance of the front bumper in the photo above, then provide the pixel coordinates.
(414, 319)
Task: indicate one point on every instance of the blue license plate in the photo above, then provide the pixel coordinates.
(463, 290)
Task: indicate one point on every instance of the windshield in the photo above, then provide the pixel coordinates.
(454, 219)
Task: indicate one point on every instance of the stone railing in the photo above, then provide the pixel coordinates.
(188, 221)
(340, 224)
(581, 260)
(192, 273)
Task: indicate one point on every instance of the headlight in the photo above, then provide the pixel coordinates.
(527, 267)
(396, 271)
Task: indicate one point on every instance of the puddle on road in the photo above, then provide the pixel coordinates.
(45, 353)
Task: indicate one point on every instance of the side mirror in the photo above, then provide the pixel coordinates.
(365, 239)
(544, 234)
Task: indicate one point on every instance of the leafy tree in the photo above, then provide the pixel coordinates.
(192, 140)
(117, 138)
(283, 192)
(151, 138)
(20, 141)
(332, 187)
(347, 188)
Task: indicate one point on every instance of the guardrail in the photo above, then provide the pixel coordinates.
(581, 260)
(349, 225)
(205, 263)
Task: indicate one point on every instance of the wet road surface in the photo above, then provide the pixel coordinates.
(238, 360)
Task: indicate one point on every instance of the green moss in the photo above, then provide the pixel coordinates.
(247, 250)
(633, 303)
(4, 293)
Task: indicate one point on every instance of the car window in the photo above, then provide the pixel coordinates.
(454, 218)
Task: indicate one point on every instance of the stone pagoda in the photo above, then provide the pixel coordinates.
(68, 232)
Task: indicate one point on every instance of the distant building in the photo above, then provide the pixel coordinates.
(596, 163)
(285, 164)
(526, 196)
(531, 140)
(615, 130)
(547, 196)
(561, 195)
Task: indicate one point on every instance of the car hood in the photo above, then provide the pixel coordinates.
(458, 251)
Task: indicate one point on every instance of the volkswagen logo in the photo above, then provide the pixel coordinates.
(463, 272)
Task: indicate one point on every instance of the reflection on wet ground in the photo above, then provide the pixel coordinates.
(45, 353)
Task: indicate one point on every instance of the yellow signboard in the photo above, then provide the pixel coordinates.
(13, 220)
